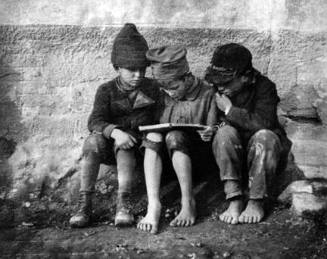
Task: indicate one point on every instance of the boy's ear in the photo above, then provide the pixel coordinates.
(188, 78)
(245, 79)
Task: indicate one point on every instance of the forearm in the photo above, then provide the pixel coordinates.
(252, 121)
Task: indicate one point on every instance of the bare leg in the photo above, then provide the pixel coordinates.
(253, 212)
(152, 171)
(183, 168)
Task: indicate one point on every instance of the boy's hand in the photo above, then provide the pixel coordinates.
(223, 102)
(206, 135)
(122, 139)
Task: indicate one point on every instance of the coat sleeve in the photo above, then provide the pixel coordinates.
(263, 114)
(213, 114)
(99, 119)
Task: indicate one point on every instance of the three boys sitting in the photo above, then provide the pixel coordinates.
(251, 142)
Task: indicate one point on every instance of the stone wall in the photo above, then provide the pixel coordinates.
(49, 73)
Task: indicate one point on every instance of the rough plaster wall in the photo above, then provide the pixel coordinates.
(302, 15)
(49, 73)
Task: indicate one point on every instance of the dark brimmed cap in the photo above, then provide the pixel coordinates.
(129, 48)
(232, 56)
(168, 62)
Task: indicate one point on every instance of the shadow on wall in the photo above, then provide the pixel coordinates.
(12, 129)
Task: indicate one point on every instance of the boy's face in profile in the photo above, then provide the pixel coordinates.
(176, 89)
(231, 88)
(226, 81)
(131, 77)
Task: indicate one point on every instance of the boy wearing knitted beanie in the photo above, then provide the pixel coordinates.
(120, 106)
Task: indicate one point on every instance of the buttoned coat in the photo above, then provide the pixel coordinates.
(115, 108)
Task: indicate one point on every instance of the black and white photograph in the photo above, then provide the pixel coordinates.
(163, 129)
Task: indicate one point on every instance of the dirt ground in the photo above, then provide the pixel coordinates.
(40, 230)
(278, 237)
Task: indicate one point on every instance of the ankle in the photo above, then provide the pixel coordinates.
(124, 188)
(188, 200)
(255, 202)
(124, 200)
(236, 199)
(154, 206)
(154, 202)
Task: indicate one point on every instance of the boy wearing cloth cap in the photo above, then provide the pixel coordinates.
(185, 99)
(252, 147)
(120, 106)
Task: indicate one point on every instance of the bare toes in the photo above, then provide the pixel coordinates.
(173, 223)
(148, 227)
(143, 227)
(154, 230)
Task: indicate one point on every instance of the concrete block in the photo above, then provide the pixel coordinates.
(307, 196)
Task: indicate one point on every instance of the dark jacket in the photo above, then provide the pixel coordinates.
(255, 108)
(115, 108)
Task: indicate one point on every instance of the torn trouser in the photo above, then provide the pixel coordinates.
(260, 156)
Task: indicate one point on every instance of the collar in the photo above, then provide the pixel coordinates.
(193, 91)
(256, 73)
(142, 100)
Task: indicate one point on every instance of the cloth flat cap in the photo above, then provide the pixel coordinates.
(129, 48)
(232, 56)
(168, 62)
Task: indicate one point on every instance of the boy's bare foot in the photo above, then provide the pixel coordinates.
(253, 213)
(151, 220)
(233, 212)
(186, 216)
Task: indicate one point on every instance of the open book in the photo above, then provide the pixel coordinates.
(171, 126)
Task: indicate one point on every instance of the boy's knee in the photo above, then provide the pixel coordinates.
(225, 138)
(155, 137)
(226, 132)
(266, 138)
(94, 143)
(152, 141)
(177, 140)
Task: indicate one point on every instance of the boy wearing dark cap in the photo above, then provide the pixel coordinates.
(120, 106)
(252, 146)
(186, 99)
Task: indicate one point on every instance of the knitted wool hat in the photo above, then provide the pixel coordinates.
(129, 48)
(168, 62)
(232, 56)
